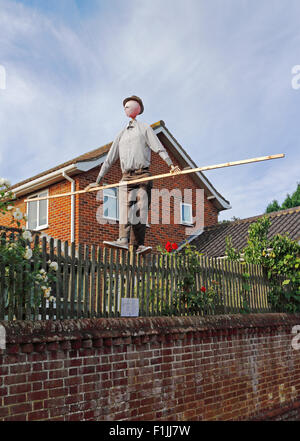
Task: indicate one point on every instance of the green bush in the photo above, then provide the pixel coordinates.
(190, 298)
(22, 284)
(280, 258)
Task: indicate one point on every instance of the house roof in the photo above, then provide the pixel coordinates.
(220, 201)
(212, 241)
(95, 157)
(92, 155)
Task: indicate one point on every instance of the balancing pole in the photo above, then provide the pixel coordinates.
(162, 176)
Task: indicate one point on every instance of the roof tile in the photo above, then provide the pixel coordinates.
(212, 241)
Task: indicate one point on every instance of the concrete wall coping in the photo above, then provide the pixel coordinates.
(18, 332)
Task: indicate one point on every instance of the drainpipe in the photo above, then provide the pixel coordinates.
(72, 205)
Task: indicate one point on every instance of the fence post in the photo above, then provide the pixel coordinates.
(59, 291)
(111, 261)
(51, 257)
(86, 281)
(72, 281)
(44, 266)
(117, 301)
(122, 275)
(66, 281)
(2, 289)
(105, 267)
(79, 291)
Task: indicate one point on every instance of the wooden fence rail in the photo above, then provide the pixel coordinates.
(91, 281)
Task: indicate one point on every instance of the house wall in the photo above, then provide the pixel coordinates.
(88, 230)
(238, 367)
(59, 212)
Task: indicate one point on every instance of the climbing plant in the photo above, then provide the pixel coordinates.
(280, 258)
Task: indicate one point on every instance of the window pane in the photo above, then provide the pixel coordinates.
(110, 192)
(110, 207)
(110, 203)
(43, 212)
(43, 209)
(186, 213)
(32, 215)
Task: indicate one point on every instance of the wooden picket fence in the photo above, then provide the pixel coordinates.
(91, 281)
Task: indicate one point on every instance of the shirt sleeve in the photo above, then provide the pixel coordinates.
(155, 145)
(112, 156)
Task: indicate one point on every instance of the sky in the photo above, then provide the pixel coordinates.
(217, 72)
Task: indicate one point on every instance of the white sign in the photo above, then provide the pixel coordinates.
(129, 307)
(2, 338)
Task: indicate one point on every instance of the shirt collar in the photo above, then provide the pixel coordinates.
(132, 123)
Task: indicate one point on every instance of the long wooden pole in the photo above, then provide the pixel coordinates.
(162, 176)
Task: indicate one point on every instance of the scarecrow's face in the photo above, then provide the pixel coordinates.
(132, 108)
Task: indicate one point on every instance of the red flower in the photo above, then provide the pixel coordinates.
(203, 289)
(171, 246)
(168, 247)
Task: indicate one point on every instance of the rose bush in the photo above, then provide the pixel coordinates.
(25, 282)
(190, 298)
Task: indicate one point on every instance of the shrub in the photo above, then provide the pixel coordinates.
(280, 258)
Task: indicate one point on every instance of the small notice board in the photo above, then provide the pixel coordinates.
(129, 307)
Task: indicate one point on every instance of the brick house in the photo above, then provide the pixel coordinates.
(74, 218)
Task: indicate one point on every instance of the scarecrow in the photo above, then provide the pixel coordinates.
(133, 147)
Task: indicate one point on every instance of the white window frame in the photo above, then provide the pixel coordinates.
(39, 227)
(117, 201)
(183, 222)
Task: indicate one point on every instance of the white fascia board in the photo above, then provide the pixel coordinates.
(201, 177)
(53, 176)
(42, 181)
(88, 165)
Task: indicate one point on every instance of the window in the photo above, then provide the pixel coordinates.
(110, 204)
(37, 212)
(186, 214)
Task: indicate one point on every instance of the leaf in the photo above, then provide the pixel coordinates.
(286, 282)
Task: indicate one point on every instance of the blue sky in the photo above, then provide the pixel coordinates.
(218, 73)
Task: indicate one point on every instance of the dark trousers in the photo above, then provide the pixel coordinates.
(134, 203)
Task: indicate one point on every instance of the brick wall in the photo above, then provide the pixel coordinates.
(89, 231)
(239, 367)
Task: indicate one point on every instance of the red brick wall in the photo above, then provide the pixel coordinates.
(239, 367)
(89, 231)
(59, 212)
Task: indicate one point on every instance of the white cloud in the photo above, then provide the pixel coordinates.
(218, 75)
